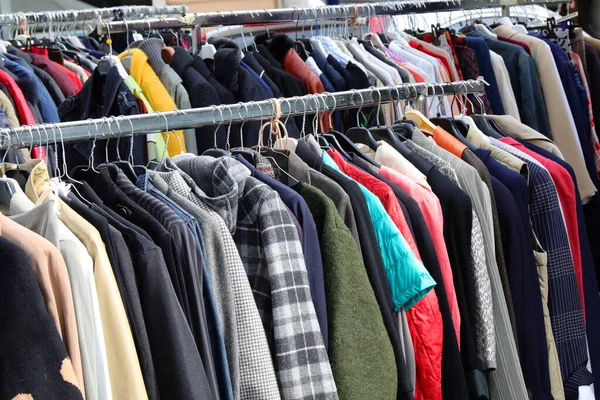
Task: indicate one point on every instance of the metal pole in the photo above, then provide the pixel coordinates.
(105, 128)
(287, 14)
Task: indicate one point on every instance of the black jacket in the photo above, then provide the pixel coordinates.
(120, 260)
(102, 96)
(31, 350)
(202, 94)
(244, 87)
(171, 340)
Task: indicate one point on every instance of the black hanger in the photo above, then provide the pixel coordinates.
(20, 175)
(307, 44)
(301, 50)
(349, 146)
(322, 142)
(362, 135)
(247, 154)
(383, 38)
(391, 137)
(484, 126)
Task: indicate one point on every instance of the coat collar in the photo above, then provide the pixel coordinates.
(153, 49)
(227, 63)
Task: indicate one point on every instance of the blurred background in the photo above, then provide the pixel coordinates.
(589, 10)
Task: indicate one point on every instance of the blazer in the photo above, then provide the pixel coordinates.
(232, 290)
(259, 222)
(309, 238)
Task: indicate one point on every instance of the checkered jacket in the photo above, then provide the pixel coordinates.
(257, 374)
(270, 248)
(566, 315)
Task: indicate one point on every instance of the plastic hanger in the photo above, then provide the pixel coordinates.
(456, 127)
(421, 121)
(290, 143)
(487, 126)
(346, 144)
(359, 134)
(390, 135)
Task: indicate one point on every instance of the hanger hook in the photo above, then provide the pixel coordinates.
(6, 153)
(333, 110)
(168, 134)
(244, 122)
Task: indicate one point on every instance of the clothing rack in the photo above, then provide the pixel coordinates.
(343, 11)
(65, 16)
(44, 20)
(113, 127)
(291, 14)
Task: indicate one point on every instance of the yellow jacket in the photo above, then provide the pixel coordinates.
(155, 92)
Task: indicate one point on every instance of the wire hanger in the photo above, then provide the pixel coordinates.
(216, 151)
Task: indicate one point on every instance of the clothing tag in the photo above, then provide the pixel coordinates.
(61, 187)
(137, 36)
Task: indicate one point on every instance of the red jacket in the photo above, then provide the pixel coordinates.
(22, 108)
(293, 64)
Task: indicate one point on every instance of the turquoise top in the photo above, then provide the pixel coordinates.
(408, 279)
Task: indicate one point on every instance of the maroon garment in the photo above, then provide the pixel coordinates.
(518, 43)
(63, 81)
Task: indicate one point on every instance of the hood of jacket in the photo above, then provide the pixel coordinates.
(227, 62)
(153, 49)
(278, 45)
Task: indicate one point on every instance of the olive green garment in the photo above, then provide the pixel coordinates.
(360, 351)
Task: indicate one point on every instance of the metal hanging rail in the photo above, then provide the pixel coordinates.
(345, 11)
(112, 127)
(42, 19)
(337, 12)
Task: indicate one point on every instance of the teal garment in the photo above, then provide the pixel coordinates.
(408, 279)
